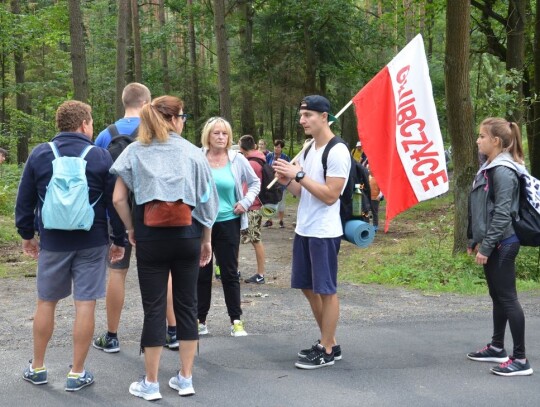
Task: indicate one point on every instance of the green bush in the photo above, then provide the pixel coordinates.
(10, 175)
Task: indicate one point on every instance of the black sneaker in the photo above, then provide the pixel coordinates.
(257, 279)
(316, 359)
(336, 349)
(488, 355)
(513, 368)
(106, 343)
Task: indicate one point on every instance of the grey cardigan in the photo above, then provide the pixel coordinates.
(243, 174)
(169, 171)
(491, 221)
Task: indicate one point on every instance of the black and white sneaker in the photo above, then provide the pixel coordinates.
(487, 354)
(257, 279)
(336, 349)
(513, 368)
(316, 359)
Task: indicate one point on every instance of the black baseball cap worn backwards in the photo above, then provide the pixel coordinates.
(319, 104)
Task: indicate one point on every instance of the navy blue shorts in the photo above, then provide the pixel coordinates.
(314, 264)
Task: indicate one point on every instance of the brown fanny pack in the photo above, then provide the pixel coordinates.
(167, 214)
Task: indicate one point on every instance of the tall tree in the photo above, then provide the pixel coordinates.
(121, 54)
(459, 112)
(163, 49)
(137, 51)
(223, 60)
(515, 55)
(196, 108)
(78, 51)
(247, 117)
(22, 104)
(534, 144)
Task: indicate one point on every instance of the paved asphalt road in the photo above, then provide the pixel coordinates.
(413, 363)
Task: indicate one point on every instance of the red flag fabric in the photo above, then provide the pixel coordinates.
(399, 130)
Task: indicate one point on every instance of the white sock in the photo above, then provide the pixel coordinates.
(495, 349)
(147, 382)
(72, 373)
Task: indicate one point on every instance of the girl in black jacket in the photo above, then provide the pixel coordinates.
(494, 243)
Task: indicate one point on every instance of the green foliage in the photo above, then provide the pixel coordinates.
(10, 175)
(417, 253)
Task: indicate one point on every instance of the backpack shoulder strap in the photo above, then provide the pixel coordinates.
(86, 151)
(54, 149)
(257, 159)
(113, 130)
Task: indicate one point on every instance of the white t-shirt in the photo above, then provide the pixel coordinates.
(315, 218)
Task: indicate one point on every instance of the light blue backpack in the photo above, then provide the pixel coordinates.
(66, 205)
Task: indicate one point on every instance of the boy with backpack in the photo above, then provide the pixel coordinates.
(115, 138)
(68, 256)
(318, 228)
(253, 233)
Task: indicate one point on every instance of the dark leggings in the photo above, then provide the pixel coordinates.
(500, 272)
(155, 259)
(225, 245)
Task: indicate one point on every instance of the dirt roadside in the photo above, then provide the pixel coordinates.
(267, 308)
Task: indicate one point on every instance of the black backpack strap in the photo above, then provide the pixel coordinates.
(113, 130)
(331, 143)
(257, 160)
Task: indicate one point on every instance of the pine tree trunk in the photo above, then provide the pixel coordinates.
(223, 60)
(78, 52)
(459, 113)
(121, 54)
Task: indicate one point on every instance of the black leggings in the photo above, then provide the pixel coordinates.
(500, 272)
(155, 259)
(225, 245)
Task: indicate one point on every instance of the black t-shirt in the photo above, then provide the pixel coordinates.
(146, 233)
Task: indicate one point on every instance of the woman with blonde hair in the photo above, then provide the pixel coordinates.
(161, 167)
(493, 199)
(230, 170)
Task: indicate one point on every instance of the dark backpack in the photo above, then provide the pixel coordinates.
(274, 194)
(119, 141)
(357, 175)
(526, 222)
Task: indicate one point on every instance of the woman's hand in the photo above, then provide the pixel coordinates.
(239, 209)
(131, 237)
(481, 259)
(206, 253)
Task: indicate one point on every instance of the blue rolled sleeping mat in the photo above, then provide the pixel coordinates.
(359, 233)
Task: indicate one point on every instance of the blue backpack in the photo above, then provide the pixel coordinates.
(66, 205)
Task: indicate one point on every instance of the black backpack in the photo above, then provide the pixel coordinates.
(119, 141)
(274, 194)
(526, 222)
(358, 174)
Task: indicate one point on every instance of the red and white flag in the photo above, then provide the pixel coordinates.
(399, 130)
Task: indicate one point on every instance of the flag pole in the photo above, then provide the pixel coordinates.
(309, 142)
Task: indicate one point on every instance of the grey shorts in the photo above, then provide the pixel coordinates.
(124, 263)
(85, 270)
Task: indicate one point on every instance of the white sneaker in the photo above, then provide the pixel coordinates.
(237, 328)
(203, 329)
(148, 391)
(183, 385)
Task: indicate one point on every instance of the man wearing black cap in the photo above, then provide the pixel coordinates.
(318, 227)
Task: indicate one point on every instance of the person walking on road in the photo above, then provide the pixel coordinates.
(493, 199)
(318, 228)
